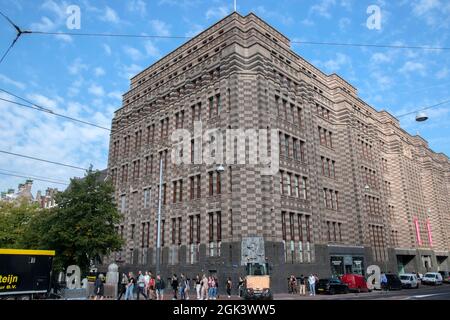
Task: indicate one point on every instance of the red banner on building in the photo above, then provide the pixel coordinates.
(416, 223)
(430, 238)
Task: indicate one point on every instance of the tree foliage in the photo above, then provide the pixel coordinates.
(14, 221)
(81, 227)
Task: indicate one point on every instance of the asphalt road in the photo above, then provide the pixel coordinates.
(424, 292)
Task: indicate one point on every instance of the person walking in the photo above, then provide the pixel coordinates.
(383, 282)
(240, 286)
(174, 284)
(123, 286)
(99, 288)
(187, 289)
(160, 286)
(302, 286)
(215, 288)
(147, 282)
(198, 286)
(182, 287)
(312, 285)
(205, 288)
(228, 287)
(141, 286)
(151, 287)
(130, 287)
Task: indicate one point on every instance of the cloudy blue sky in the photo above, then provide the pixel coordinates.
(85, 77)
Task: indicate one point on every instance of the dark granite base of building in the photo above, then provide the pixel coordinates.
(327, 260)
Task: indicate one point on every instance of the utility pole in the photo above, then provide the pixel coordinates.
(158, 239)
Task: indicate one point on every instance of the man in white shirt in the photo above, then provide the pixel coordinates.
(312, 285)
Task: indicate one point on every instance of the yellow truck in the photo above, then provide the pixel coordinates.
(257, 282)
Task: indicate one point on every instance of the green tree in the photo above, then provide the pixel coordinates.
(14, 221)
(81, 227)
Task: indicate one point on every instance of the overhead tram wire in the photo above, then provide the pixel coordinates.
(33, 175)
(32, 178)
(43, 160)
(19, 32)
(423, 109)
(46, 110)
(393, 46)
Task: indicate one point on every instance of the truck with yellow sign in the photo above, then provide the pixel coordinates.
(24, 273)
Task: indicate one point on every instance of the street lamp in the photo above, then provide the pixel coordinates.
(158, 239)
(220, 168)
(421, 116)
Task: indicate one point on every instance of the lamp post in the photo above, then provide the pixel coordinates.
(158, 239)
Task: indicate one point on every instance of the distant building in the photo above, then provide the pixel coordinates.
(47, 201)
(23, 193)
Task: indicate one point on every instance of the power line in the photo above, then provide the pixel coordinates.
(115, 35)
(33, 178)
(423, 109)
(19, 32)
(421, 47)
(46, 110)
(43, 160)
(393, 46)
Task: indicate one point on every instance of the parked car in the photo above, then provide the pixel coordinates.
(331, 286)
(409, 280)
(393, 282)
(445, 276)
(355, 282)
(433, 278)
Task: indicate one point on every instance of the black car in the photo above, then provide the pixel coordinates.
(331, 286)
(393, 282)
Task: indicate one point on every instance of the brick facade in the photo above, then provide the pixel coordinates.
(351, 181)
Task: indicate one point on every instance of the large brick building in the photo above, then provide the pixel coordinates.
(353, 189)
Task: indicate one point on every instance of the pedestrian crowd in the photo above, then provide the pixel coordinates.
(298, 285)
(152, 288)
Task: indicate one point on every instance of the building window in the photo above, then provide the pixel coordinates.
(122, 203)
(295, 149)
(198, 228)
(191, 229)
(199, 189)
(147, 195)
(179, 230)
(211, 184)
(191, 187)
(174, 226)
(218, 183)
(288, 184)
(283, 225)
(296, 186)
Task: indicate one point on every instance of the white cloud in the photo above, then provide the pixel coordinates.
(323, 8)
(411, 66)
(424, 6)
(96, 90)
(43, 101)
(443, 73)
(130, 71)
(194, 30)
(12, 82)
(217, 12)
(46, 24)
(151, 50)
(335, 64)
(160, 27)
(77, 66)
(110, 16)
(99, 71)
(107, 49)
(138, 6)
(344, 23)
(380, 57)
(284, 18)
(133, 53)
(115, 95)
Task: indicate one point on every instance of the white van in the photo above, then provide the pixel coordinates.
(434, 278)
(409, 280)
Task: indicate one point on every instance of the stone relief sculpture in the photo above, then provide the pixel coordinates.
(252, 250)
